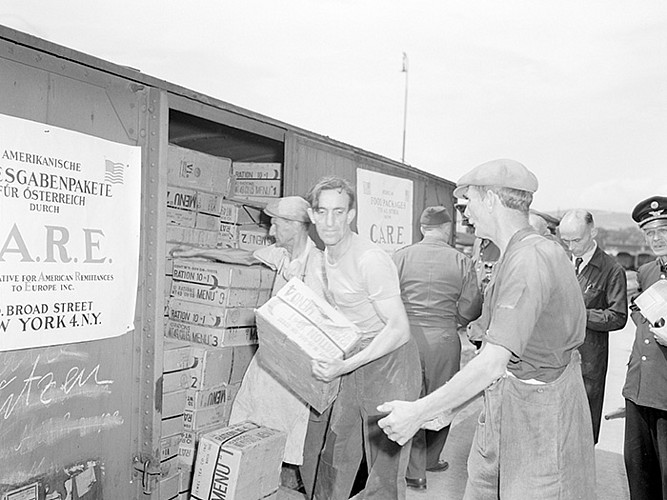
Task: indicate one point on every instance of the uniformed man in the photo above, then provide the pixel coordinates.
(534, 438)
(440, 292)
(645, 389)
(603, 284)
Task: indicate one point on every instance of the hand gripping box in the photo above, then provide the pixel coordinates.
(296, 326)
(239, 462)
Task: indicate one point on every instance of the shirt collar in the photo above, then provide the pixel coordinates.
(586, 258)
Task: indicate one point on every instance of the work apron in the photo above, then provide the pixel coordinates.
(534, 441)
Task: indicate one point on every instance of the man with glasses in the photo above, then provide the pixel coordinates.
(362, 282)
(645, 389)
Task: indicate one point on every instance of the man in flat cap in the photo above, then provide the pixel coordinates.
(440, 292)
(363, 284)
(604, 287)
(262, 398)
(645, 389)
(534, 438)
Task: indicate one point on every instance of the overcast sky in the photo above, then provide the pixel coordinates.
(575, 90)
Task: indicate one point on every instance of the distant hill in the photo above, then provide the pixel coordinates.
(606, 219)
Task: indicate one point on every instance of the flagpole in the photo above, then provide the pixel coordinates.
(405, 105)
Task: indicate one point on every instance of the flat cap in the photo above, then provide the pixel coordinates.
(649, 210)
(434, 216)
(289, 207)
(502, 173)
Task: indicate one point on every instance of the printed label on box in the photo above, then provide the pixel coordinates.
(249, 170)
(250, 187)
(213, 337)
(183, 198)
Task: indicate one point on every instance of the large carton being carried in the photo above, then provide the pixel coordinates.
(296, 326)
(239, 462)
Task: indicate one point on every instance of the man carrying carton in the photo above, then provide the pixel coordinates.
(261, 398)
(534, 438)
(363, 283)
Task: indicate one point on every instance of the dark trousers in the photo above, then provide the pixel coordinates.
(353, 429)
(594, 360)
(645, 451)
(315, 434)
(440, 357)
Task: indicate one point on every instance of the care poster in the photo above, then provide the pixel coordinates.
(384, 209)
(69, 235)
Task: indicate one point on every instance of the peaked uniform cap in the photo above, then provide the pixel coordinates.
(502, 173)
(290, 208)
(649, 210)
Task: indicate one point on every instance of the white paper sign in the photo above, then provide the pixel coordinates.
(69, 235)
(384, 209)
(652, 302)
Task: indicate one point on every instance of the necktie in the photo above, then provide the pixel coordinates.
(577, 264)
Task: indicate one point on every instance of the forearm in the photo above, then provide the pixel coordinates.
(476, 376)
(606, 320)
(388, 340)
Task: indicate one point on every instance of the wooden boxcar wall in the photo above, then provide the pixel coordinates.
(308, 159)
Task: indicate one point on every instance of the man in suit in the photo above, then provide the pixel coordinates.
(603, 284)
(645, 449)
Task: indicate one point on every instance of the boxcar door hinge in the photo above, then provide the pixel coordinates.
(150, 473)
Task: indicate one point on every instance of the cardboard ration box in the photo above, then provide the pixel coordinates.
(169, 446)
(217, 297)
(199, 312)
(169, 486)
(239, 214)
(173, 403)
(222, 275)
(213, 367)
(181, 198)
(239, 462)
(253, 170)
(220, 394)
(187, 447)
(198, 171)
(212, 337)
(171, 426)
(206, 417)
(254, 237)
(242, 188)
(178, 217)
(176, 355)
(296, 326)
(176, 380)
(195, 237)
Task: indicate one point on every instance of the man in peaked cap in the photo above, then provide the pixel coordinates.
(534, 438)
(262, 398)
(645, 390)
(440, 292)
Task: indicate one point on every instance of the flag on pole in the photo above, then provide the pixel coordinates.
(405, 63)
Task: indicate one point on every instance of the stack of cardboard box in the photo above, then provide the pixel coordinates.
(209, 306)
